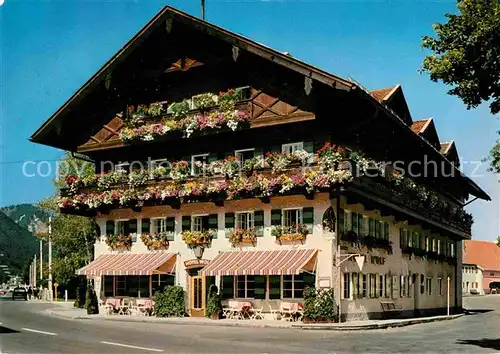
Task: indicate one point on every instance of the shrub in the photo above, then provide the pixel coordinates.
(91, 303)
(80, 297)
(170, 302)
(319, 305)
(214, 304)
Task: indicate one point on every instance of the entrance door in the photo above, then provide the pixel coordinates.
(197, 296)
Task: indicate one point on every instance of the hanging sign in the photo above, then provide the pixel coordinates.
(196, 263)
(360, 260)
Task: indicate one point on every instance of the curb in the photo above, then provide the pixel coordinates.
(307, 327)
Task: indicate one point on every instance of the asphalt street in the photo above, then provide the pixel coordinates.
(26, 328)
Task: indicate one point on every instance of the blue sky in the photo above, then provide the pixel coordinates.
(49, 49)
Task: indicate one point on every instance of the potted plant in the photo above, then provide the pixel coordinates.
(157, 241)
(194, 238)
(214, 304)
(119, 242)
(242, 236)
(292, 233)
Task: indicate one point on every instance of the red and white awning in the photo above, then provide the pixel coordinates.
(131, 264)
(282, 262)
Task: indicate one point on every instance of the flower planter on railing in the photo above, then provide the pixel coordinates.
(197, 238)
(119, 242)
(290, 233)
(155, 241)
(242, 236)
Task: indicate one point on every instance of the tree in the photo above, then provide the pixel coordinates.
(466, 56)
(498, 241)
(72, 236)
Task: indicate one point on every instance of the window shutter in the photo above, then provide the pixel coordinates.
(341, 222)
(260, 286)
(386, 230)
(131, 229)
(309, 146)
(110, 228)
(354, 223)
(186, 223)
(361, 225)
(213, 223)
(229, 223)
(276, 217)
(347, 220)
(145, 226)
(204, 223)
(258, 222)
(170, 228)
(371, 227)
(308, 218)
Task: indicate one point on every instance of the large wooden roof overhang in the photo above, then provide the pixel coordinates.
(138, 74)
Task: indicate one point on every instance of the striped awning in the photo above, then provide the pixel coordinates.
(131, 264)
(286, 262)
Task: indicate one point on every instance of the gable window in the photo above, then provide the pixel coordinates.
(245, 221)
(199, 164)
(292, 147)
(292, 218)
(244, 155)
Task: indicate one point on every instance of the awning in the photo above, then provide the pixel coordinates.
(131, 264)
(286, 262)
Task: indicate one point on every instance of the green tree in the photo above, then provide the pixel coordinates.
(498, 241)
(466, 52)
(72, 236)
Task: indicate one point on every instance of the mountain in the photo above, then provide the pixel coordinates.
(28, 216)
(17, 244)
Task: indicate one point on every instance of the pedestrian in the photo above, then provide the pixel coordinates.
(35, 294)
(30, 292)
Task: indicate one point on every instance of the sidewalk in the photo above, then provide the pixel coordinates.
(65, 311)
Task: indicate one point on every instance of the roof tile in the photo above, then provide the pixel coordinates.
(380, 94)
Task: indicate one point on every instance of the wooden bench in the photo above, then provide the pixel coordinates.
(390, 308)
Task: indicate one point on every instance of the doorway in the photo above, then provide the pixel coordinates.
(197, 296)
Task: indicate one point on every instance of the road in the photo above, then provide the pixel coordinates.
(27, 328)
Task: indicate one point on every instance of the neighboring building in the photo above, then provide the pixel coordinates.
(481, 265)
(260, 186)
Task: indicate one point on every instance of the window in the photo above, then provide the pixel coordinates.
(228, 287)
(292, 217)
(426, 240)
(292, 147)
(422, 284)
(358, 223)
(364, 286)
(120, 228)
(453, 250)
(244, 221)
(433, 244)
(159, 226)
(440, 286)
(428, 286)
(408, 282)
(108, 286)
(160, 281)
(402, 290)
(381, 286)
(120, 285)
(294, 285)
(274, 287)
(245, 286)
(355, 285)
(373, 285)
(198, 164)
(197, 223)
(387, 284)
(347, 286)
(243, 155)
(439, 246)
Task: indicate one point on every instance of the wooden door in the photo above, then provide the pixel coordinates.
(197, 296)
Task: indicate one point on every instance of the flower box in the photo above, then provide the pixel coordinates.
(243, 236)
(290, 233)
(195, 238)
(155, 241)
(119, 242)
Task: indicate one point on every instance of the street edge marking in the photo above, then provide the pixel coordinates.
(132, 346)
(37, 331)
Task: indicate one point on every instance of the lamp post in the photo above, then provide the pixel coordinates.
(50, 259)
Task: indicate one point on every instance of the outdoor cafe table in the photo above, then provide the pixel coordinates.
(145, 305)
(240, 309)
(290, 309)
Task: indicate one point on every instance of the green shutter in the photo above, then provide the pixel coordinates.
(309, 146)
(386, 230)
(401, 238)
(110, 228)
(204, 223)
(341, 222)
(186, 223)
(361, 225)
(260, 287)
(227, 287)
(131, 225)
(371, 227)
(258, 222)
(276, 217)
(309, 280)
(354, 222)
(308, 218)
(213, 223)
(170, 228)
(229, 223)
(145, 226)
